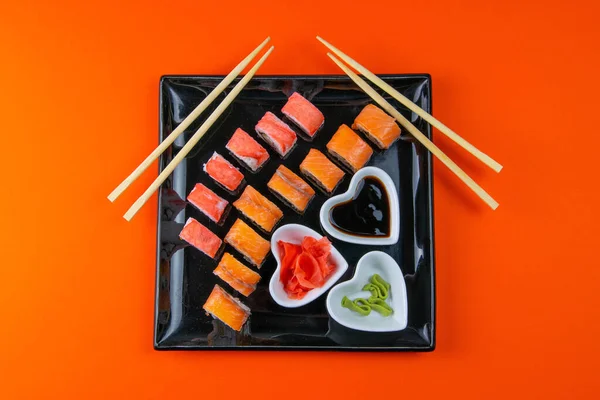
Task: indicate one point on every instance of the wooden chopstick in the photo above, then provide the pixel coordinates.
(487, 160)
(417, 134)
(194, 140)
(186, 122)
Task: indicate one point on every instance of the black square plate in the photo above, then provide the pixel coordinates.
(184, 275)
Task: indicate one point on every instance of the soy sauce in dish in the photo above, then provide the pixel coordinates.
(367, 213)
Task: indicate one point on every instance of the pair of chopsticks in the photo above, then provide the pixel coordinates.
(197, 135)
(487, 160)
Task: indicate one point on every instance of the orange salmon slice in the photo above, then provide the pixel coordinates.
(258, 209)
(318, 168)
(250, 244)
(291, 189)
(349, 148)
(226, 308)
(378, 126)
(237, 275)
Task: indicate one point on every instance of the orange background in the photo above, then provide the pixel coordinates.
(517, 289)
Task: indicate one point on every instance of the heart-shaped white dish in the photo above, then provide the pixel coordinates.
(390, 188)
(374, 262)
(294, 233)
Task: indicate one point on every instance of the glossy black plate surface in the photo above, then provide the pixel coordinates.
(184, 274)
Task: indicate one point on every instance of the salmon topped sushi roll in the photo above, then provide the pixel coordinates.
(291, 189)
(247, 242)
(237, 275)
(239, 270)
(247, 150)
(208, 202)
(201, 238)
(223, 172)
(347, 147)
(226, 308)
(303, 114)
(321, 171)
(258, 209)
(378, 126)
(276, 133)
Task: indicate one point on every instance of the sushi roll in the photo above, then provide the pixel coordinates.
(237, 275)
(201, 238)
(276, 133)
(379, 127)
(303, 114)
(349, 149)
(226, 308)
(208, 202)
(248, 243)
(291, 189)
(225, 174)
(257, 208)
(321, 171)
(247, 151)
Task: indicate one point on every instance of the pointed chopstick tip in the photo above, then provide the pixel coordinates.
(339, 64)
(329, 45)
(268, 52)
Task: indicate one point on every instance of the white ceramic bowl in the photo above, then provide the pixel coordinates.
(375, 262)
(294, 233)
(349, 194)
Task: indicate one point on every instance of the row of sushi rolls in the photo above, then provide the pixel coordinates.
(304, 266)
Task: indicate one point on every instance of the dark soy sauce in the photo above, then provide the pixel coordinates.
(367, 214)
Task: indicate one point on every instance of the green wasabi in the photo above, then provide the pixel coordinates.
(361, 303)
(377, 291)
(383, 288)
(380, 291)
(380, 281)
(357, 306)
(381, 307)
